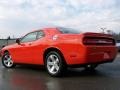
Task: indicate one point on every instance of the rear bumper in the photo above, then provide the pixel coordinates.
(94, 54)
(97, 63)
(100, 54)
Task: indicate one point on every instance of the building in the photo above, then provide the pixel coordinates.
(4, 42)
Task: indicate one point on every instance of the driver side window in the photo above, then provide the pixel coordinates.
(29, 37)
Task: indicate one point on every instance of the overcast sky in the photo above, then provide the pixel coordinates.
(18, 17)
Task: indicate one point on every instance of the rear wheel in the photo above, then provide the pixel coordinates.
(7, 60)
(54, 63)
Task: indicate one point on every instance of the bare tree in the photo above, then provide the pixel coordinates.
(110, 32)
(8, 38)
(103, 30)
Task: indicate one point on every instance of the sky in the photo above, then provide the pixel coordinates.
(18, 17)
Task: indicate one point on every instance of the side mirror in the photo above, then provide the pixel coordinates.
(18, 41)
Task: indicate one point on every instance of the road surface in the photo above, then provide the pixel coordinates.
(105, 77)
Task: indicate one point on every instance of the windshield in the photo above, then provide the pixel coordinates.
(68, 30)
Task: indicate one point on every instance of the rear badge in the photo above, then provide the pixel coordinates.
(101, 41)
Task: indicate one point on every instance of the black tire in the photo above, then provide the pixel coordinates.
(7, 61)
(54, 60)
(91, 67)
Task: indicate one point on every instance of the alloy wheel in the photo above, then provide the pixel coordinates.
(53, 64)
(7, 61)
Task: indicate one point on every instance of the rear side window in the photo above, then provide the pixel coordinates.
(68, 30)
(40, 34)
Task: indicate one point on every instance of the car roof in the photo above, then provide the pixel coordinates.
(45, 29)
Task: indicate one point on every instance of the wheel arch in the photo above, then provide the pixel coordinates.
(54, 49)
(6, 51)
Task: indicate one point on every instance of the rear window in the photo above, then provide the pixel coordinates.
(68, 30)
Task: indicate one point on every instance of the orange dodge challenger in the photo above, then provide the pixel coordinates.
(58, 48)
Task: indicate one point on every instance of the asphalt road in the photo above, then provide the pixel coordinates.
(106, 77)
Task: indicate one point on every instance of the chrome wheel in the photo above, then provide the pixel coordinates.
(7, 61)
(53, 64)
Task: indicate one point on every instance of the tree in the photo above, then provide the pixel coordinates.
(8, 38)
(110, 32)
(103, 30)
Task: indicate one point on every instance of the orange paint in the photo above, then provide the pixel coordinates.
(72, 46)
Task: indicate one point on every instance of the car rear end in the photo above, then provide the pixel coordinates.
(87, 48)
(99, 48)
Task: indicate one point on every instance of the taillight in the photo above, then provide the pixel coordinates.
(98, 41)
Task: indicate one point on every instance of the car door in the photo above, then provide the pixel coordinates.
(24, 52)
(34, 48)
(38, 46)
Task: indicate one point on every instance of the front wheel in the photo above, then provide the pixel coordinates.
(54, 63)
(7, 61)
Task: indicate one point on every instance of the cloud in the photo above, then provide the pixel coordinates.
(20, 16)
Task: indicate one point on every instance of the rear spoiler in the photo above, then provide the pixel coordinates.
(91, 34)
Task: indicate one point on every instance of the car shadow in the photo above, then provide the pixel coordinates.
(80, 72)
(70, 72)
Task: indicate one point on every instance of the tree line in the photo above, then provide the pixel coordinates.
(116, 36)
